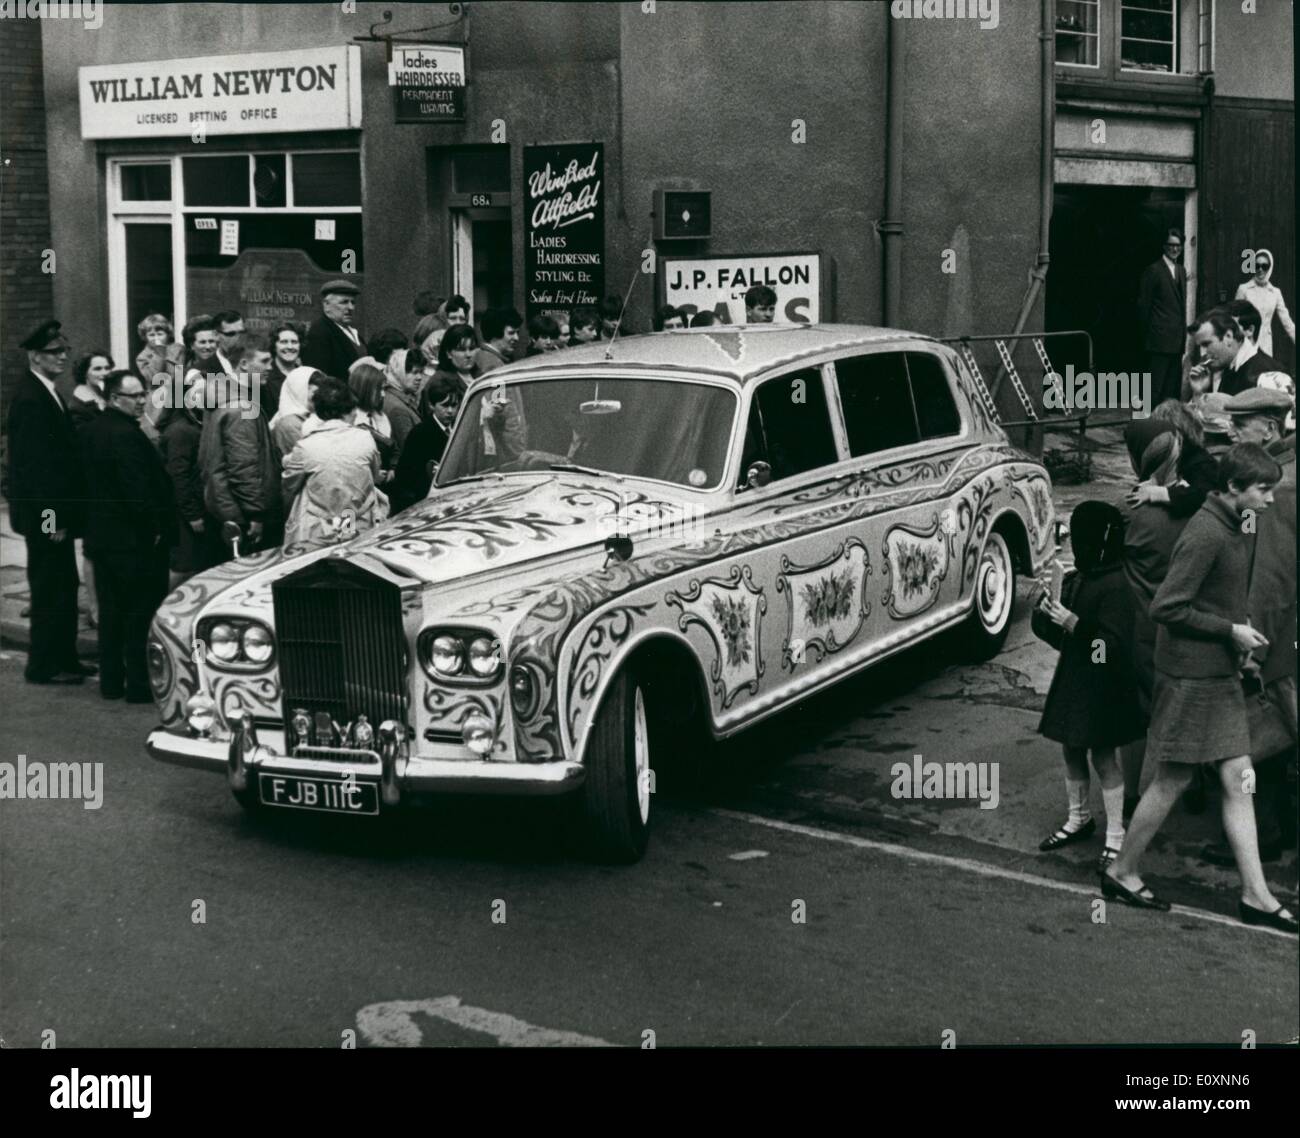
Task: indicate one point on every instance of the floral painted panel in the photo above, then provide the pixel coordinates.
(731, 612)
(826, 603)
(916, 563)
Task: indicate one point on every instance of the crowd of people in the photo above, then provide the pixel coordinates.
(229, 440)
(1176, 627)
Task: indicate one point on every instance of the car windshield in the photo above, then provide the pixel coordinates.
(661, 429)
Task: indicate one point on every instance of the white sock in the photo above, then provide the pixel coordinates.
(1114, 802)
(1077, 794)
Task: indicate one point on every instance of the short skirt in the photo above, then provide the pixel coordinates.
(1197, 720)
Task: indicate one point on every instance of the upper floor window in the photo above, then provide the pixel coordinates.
(1126, 38)
(1148, 38)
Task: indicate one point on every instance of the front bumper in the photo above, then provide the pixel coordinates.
(412, 776)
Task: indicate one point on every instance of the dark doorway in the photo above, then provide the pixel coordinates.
(1102, 238)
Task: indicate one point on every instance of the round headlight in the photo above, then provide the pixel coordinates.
(448, 655)
(523, 691)
(257, 644)
(223, 642)
(201, 712)
(479, 733)
(484, 659)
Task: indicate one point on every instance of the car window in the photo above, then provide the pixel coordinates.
(877, 404)
(936, 413)
(789, 426)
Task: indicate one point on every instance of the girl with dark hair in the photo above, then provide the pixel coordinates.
(584, 326)
(455, 365)
(1091, 705)
(426, 443)
(330, 478)
(88, 396)
(1198, 713)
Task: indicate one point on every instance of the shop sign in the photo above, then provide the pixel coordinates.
(428, 82)
(719, 284)
(564, 228)
(256, 93)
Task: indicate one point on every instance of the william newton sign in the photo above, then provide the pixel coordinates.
(719, 284)
(314, 89)
(564, 228)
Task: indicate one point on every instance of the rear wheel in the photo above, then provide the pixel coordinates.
(615, 797)
(995, 593)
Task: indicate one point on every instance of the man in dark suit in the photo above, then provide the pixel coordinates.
(1162, 308)
(1251, 361)
(333, 345)
(46, 500)
(130, 528)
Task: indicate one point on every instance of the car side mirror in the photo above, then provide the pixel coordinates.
(618, 547)
(758, 474)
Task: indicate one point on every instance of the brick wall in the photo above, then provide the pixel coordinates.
(26, 294)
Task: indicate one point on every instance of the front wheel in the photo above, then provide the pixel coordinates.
(615, 797)
(995, 593)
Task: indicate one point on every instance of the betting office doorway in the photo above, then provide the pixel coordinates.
(482, 257)
(1102, 238)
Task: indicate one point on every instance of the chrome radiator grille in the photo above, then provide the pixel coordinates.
(341, 644)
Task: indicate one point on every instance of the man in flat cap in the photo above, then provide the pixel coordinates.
(1258, 415)
(46, 500)
(333, 345)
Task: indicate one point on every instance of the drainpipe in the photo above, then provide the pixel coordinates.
(890, 227)
(1046, 176)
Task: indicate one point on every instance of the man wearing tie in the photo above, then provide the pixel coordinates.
(46, 500)
(333, 345)
(1162, 308)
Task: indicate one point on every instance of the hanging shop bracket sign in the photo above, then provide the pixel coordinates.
(254, 93)
(428, 82)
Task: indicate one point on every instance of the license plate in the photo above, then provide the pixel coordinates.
(332, 795)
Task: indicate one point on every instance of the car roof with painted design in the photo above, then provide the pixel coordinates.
(739, 351)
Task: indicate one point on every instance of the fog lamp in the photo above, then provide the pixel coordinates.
(479, 732)
(200, 712)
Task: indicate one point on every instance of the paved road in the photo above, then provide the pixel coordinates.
(921, 917)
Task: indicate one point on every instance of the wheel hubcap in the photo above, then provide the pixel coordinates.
(993, 593)
(641, 755)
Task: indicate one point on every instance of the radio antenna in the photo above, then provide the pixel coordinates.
(618, 326)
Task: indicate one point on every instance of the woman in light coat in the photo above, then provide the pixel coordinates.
(1268, 299)
(330, 477)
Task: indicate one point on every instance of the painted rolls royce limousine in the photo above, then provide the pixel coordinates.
(625, 547)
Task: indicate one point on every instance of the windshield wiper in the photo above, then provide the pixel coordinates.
(470, 478)
(574, 468)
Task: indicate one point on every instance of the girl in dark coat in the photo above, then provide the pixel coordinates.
(1092, 704)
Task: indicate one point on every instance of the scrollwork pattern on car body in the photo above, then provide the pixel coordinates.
(731, 611)
(827, 603)
(603, 637)
(545, 624)
(1037, 497)
(915, 565)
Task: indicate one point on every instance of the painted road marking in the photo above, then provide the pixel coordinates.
(747, 855)
(392, 1024)
(978, 867)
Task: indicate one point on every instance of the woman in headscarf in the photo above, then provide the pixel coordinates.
(1091, 705)
(294, 409)
(1267, 299)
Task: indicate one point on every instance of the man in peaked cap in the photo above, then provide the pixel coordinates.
(1258, 415)
(46, 500)
(333, 344)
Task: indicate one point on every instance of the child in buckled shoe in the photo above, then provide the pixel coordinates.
(1092, 705)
